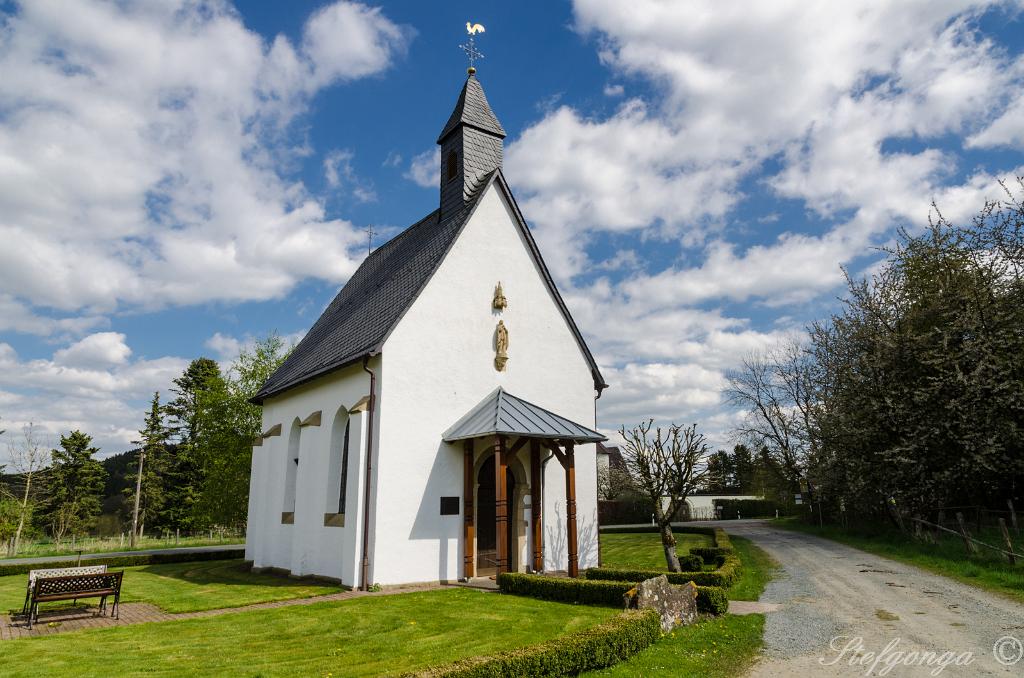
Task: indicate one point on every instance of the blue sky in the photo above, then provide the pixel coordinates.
(177, 178)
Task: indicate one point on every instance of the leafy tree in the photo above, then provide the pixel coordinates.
(613, 481)
(149, 492)
(225, 425)
(666, 467)
(75, 486)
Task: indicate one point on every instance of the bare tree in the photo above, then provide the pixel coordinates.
(778, 390)
(29, 459)
(666, 468)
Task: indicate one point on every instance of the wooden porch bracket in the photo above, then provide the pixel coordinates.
(468, 528)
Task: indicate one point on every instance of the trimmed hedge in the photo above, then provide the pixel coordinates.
(724, 577)
(596, 591)
(752, 508)
(712, 599)
(127, 561)
(603, 645)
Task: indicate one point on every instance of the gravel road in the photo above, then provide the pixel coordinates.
(827, 590)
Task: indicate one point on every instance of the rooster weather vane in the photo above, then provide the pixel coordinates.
(470, 47)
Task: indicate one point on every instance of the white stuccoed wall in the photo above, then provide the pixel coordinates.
(438, 364)
(307, 546)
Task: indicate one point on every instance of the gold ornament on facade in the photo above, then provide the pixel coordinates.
(500, 303)
(501, 346)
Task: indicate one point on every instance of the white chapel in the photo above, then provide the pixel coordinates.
(437, 422)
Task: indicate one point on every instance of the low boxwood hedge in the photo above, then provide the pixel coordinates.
(127, 561)
(603, 645)
(710, 599)
(724, 577)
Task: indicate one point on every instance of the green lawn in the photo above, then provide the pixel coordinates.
(720, 646)
(716, 646)
(189, 587)
(643, 549)
(987, 570)
(385, 635)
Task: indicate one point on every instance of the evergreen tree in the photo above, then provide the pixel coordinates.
(149, 492)
(75, 486)
(183, 479)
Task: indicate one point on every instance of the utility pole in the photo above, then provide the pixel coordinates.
(138, 491)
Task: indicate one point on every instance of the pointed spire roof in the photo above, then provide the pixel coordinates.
(472, 109)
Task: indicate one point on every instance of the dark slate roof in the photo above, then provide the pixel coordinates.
(371, 303)
(472, 109)
(502, 413)
(376, 297)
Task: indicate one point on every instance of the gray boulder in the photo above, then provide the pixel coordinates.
(676, 605)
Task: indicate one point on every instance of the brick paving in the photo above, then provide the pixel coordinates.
(82, 617)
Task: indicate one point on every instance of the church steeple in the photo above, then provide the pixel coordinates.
(471, 146)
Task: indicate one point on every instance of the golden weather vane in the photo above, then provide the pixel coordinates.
(470, 47)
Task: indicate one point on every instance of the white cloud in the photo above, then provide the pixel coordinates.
(102, 349)
(425, 168)
(614, 90)
(141, 147)
(340, 174)
(227, 348)
(92, 385)
(800, 99)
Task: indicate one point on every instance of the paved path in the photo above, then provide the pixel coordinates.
(826, 590)
(76, 619)
(117, 554)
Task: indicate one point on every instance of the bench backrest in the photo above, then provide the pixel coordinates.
(64, 572)
(77, 583)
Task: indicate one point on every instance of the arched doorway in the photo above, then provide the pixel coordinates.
(486, 536)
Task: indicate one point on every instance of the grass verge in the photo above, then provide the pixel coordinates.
(720, 646)
(370, 636)
(189, 587)
(947, 557)
(112, 545)
(755, 571)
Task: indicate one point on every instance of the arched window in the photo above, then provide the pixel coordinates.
(337, 467)
(452, 165)
(291, 471)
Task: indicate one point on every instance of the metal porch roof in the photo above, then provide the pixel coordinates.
(502, 413)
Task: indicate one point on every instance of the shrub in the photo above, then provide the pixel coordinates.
(603, 645)
(127, 561)
(712, 599)
(594, 591)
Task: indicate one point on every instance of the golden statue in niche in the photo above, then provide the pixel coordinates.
(499, 303)
(501, 345)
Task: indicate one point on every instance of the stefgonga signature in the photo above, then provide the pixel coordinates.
(851, 650)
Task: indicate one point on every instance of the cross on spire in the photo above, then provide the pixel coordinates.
(470, 47)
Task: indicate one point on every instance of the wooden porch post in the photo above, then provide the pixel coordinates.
(570, 509)
(535, 507)
(501, 504)
(468, 530)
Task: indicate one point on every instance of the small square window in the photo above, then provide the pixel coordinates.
(449, 506)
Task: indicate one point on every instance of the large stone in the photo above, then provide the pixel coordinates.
(676, 605)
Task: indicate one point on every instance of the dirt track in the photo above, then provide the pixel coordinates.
(827, 590)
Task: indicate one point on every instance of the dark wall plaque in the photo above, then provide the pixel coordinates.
(449, 506)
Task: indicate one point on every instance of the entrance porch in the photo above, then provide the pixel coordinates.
(506, 443)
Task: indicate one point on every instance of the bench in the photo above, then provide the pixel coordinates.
(72, 587)
(57, 572)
